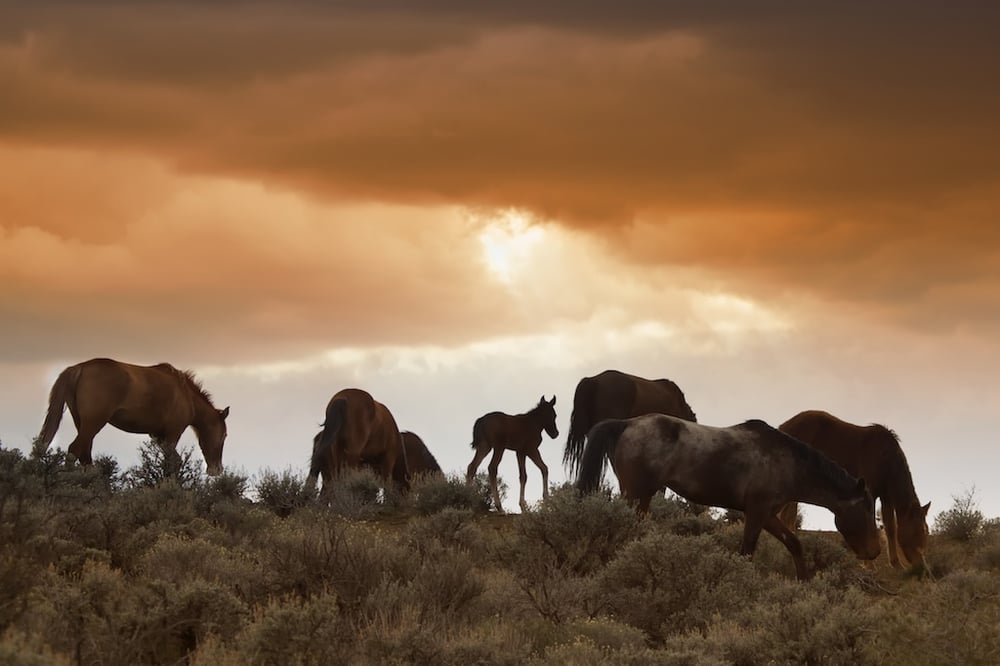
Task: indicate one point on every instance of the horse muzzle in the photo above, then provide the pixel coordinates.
(214, 470)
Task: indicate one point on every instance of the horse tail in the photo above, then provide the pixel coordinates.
(601, 442)
(325, 439)
(580, 422)
(60, 395)
(477, 432)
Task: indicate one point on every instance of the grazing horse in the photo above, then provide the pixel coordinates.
(522, 434)
(616, 395)
(160, 401)
(871, 452)
(418, 457)
(358, 428)
(750, 467)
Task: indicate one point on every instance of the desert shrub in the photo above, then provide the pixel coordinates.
(156, 465)
(282, 492)
(582, 651)
(452, 528)
(963, 520)
(609, 634)
(987, 553)
(578, 533)
(317, 551)
(441, 589)
(553, 550)
(354, 494)
(796, 623)
(433, 493)
(96, 617)
(18, 576)
(291, 630)
(665, 584)
(19, 650)
(177, 559)
(226, 487)
(951, 622)
(679, 516)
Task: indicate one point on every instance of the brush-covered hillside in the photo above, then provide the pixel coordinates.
(101, 566)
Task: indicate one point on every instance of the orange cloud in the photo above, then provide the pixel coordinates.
(850, 153)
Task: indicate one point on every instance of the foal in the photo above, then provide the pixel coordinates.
(522, 434)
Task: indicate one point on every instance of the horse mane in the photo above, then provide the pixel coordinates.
(899, 479)
(811, 456)
(195, 385)
(684, 406)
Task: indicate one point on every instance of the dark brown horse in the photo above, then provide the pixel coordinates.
(418, 457)
(871, 452)
(160, 401)
(357, 429)
(522, 434)
(616, 395)
(750, 467)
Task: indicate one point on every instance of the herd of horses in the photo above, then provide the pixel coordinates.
(644, 429)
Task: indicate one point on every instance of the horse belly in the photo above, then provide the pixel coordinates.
(133, 423)
(705, 481)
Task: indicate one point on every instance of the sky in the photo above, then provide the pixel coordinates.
(463, 207)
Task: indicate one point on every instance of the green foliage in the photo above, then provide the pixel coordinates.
(963, 520)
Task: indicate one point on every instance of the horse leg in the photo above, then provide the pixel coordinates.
(775, 526)
(171, 459)
(494, 466)
(789, 515)
(642, 508)
(523, 478)
(477, 459)
(889, 520)
(536, 458)
(753, 522)
(82, 445)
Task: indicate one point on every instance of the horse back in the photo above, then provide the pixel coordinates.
(868, 452)
(357, 409)
(132, 397)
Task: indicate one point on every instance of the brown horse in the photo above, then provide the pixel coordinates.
(872, 452)
(418, 457)
(616, 395)
(750, 467)
(522, 434)
(358, 428)
(160, 401)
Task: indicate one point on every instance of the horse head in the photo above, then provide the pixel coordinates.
(912, 532)
(212, 437)
(855, 520)
(547, 415)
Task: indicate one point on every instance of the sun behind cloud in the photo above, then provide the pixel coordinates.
(509, 244)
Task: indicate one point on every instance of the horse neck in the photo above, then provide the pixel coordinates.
(203, 412)
(824, 483)
(899, 482)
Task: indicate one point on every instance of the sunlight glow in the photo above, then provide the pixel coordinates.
(508, 243)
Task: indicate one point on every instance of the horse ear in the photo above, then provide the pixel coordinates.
(224, 412)
(553, 403)
(925, 508)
